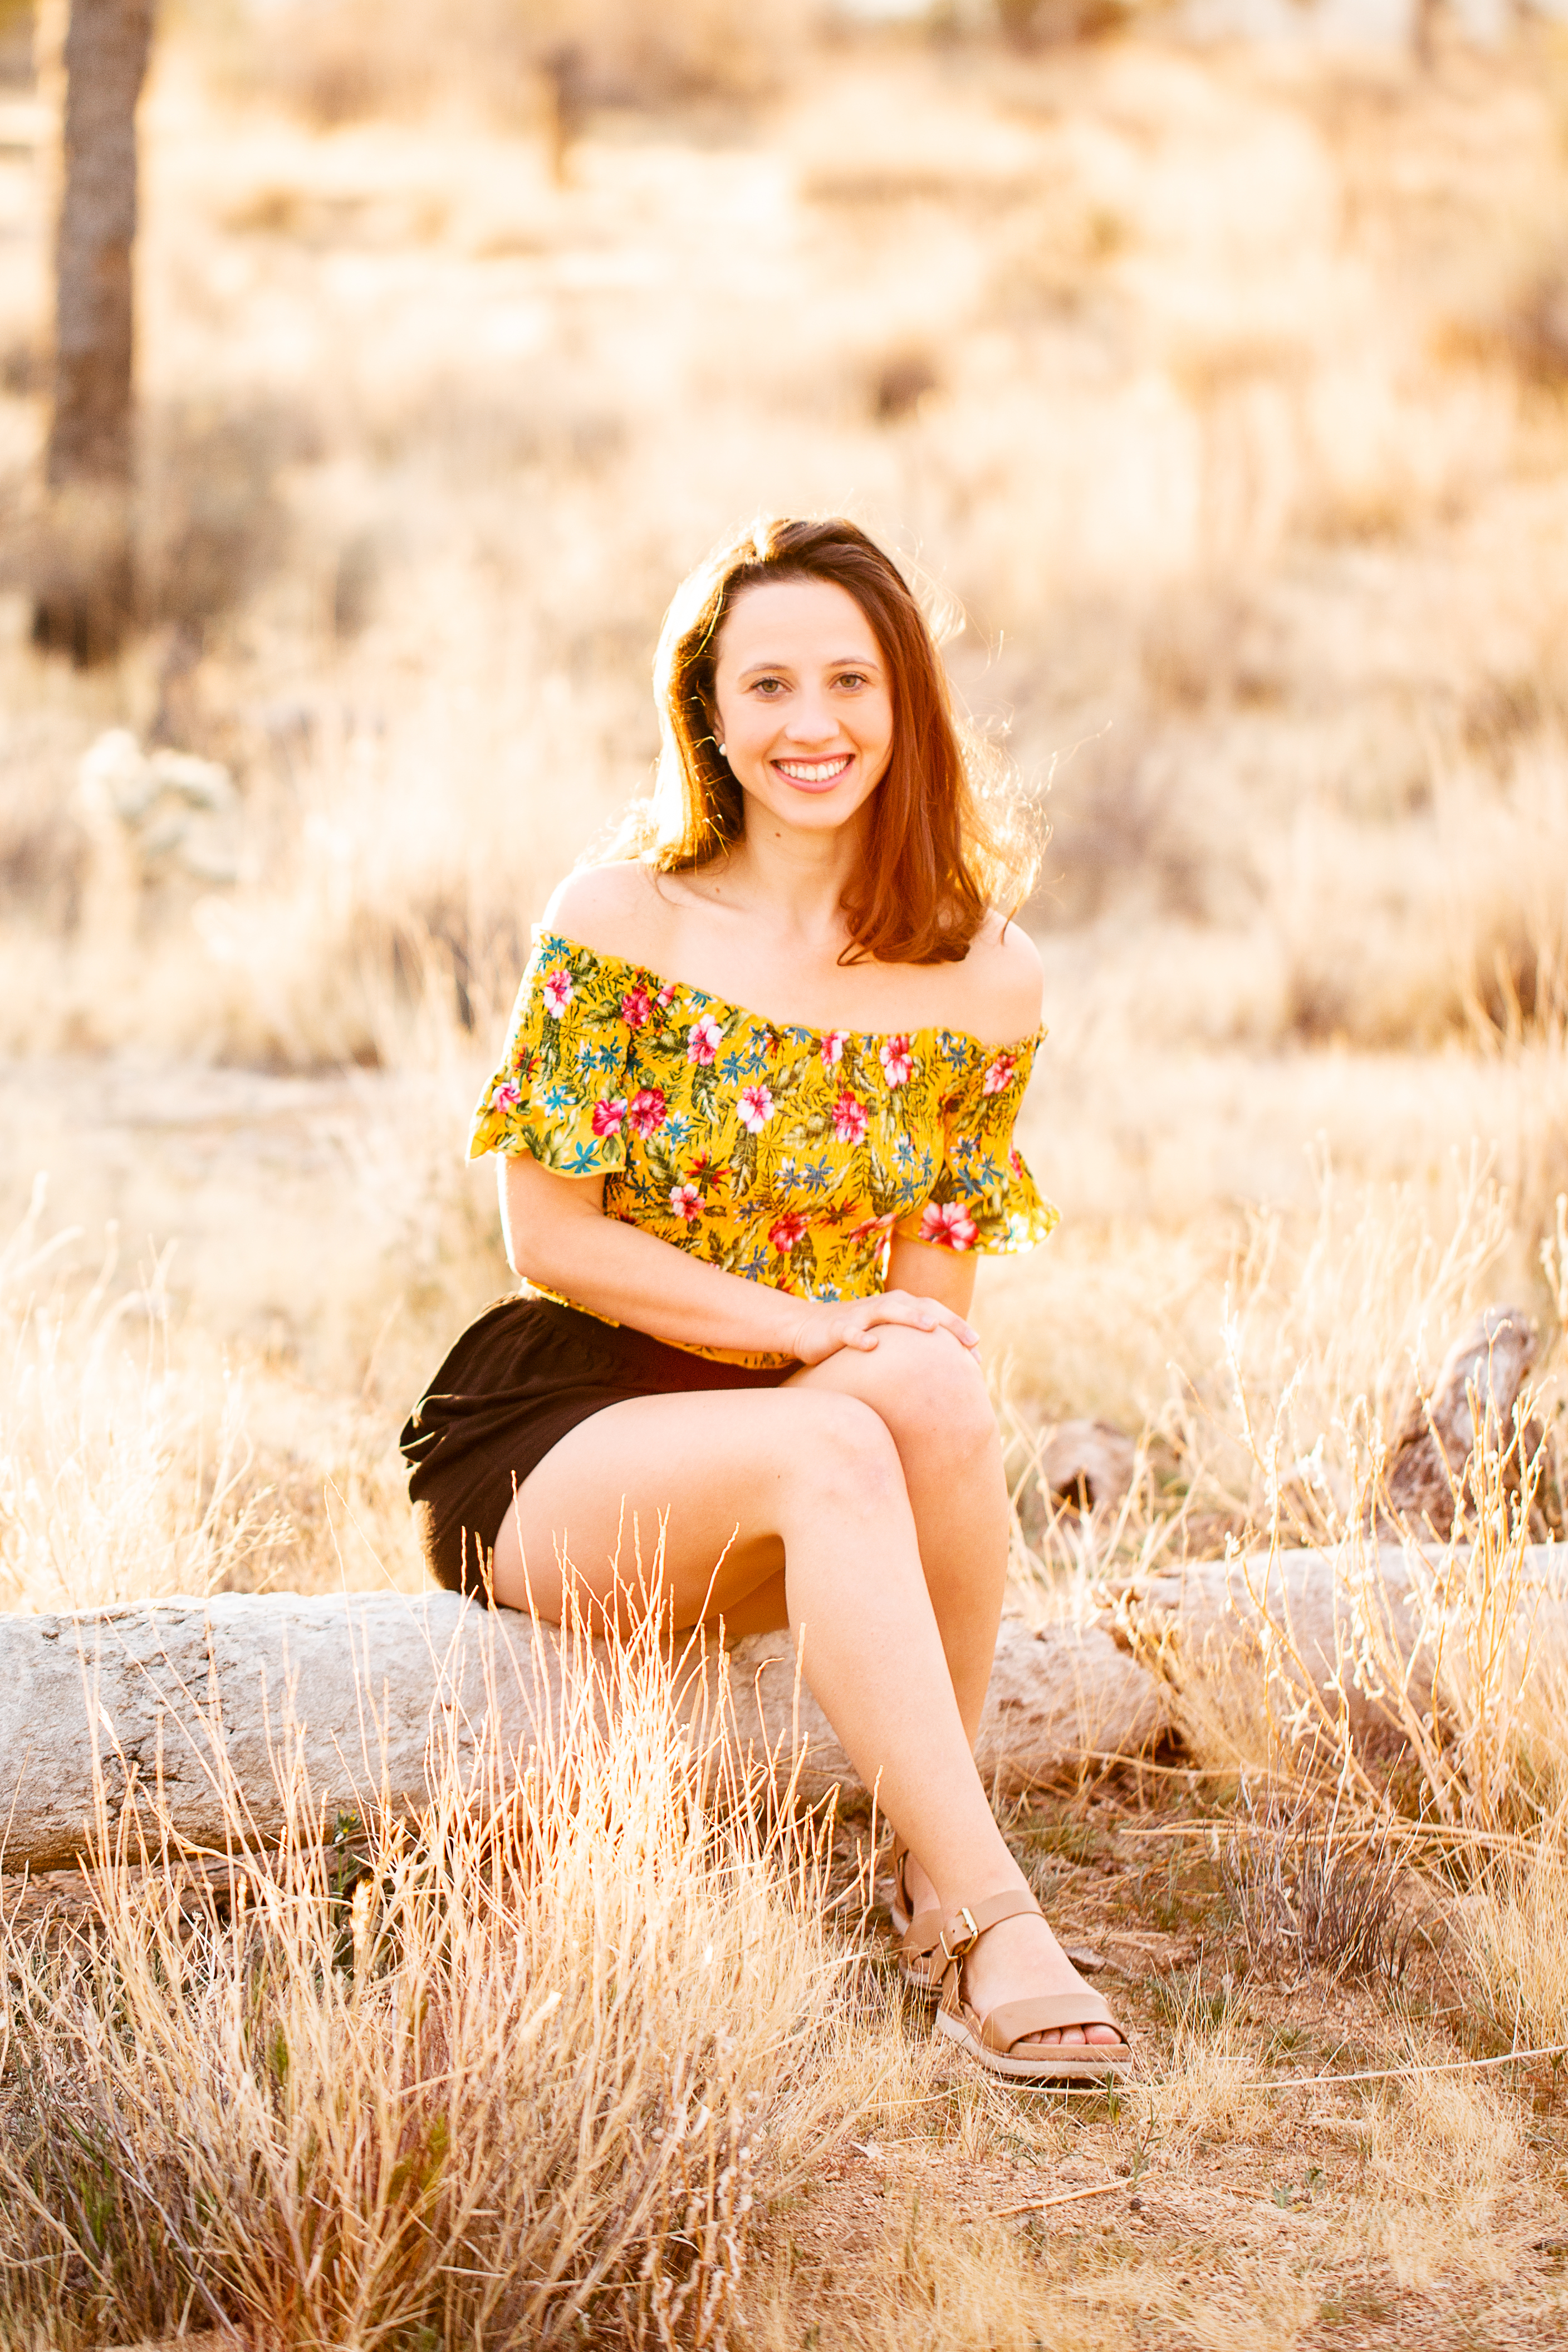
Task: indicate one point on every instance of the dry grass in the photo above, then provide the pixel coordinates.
(1306, 1895)
(1515, 1925)
(514, 2078)
(1221, 388)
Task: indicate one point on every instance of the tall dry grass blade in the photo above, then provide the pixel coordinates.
(515, 2069)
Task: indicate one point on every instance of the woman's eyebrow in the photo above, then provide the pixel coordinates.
(838, 661)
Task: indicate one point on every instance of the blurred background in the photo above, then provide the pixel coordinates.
(1205, 363)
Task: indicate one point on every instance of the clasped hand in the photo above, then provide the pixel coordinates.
(824, 1328)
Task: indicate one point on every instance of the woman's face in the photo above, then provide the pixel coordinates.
(804, 703)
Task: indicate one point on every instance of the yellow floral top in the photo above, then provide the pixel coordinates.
(790, 1156)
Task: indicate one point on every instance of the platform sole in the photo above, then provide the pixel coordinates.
(1056, 2067)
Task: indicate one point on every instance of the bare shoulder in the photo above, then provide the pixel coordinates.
(1002, 982)
(615, 909)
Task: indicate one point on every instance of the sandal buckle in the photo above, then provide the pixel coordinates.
(963, 1944)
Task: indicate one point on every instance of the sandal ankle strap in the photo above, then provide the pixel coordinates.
(963, 1928)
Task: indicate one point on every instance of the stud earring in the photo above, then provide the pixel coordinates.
(723, 753)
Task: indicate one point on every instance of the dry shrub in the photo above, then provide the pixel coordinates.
(119, 1480)
(213, 524)
(1460, 1662)
(1268, 1361)
(515, 2072)
(1205, 2089)
(1329, 1320)
(1514, 1929)
(1440, 2160)
(935, 2279)
(141, 1458)
(345, 60)
(376, 916)
(1309, 1892)
(1453, 923)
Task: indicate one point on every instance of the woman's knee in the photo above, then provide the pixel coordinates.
(840, 1452)
(931, 1392)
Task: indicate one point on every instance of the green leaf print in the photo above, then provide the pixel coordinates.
(786, 1083)
(810, 1129)
(705, 1099)
(858, 1069)
(743, 1159)
(550, 1147)
(886, 1192)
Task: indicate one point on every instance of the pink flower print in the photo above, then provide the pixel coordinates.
(666, 996)
(648, 1110)
(558, 990)
(756, 1108)
(608, 1115)
(898, 1062)
(703, 1040)
(951, 1226)
(785, 1234)
(999, 1074)
(849, 1118)
(505, 1096)
(636, 1006)
(686, 1201)
(833, 1046)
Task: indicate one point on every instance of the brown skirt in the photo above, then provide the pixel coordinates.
(520, 1378)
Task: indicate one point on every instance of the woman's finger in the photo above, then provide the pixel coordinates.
(924, 1314)
(854, 1326)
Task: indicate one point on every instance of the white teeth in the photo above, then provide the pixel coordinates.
(812, 772)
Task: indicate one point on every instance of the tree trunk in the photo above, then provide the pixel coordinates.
(206, 1722)
(1424, 20)
(83, 591)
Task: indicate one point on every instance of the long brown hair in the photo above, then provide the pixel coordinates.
(934, 859)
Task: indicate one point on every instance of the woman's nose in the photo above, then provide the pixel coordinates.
(811, 721)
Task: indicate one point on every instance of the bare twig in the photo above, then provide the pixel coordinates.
(1071, 2197)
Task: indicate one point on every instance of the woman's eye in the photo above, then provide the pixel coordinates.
(768, 685)
(852, 678)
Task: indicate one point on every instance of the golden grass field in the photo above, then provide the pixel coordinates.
(1221, 393)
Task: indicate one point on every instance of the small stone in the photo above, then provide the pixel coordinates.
(1087, 1466)
(1085, 1957)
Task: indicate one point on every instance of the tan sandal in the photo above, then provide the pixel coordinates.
(993, 2039)
(920, 1962)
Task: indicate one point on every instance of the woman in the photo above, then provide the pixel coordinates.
(754, 1125)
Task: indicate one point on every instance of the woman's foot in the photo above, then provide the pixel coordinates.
(1014, 1960)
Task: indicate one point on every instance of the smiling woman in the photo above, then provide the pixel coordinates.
(754, 1121)
(821, 690)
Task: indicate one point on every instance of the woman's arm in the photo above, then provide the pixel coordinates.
(926, 1273)
(558, 1235)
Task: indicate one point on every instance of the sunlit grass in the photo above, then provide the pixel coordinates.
(1208, 384)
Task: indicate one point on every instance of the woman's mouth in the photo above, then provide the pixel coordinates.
(815, 775)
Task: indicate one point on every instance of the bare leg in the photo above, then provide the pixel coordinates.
(930, 1394)
(805, 1478)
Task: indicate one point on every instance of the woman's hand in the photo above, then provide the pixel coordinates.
(824, 1329)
